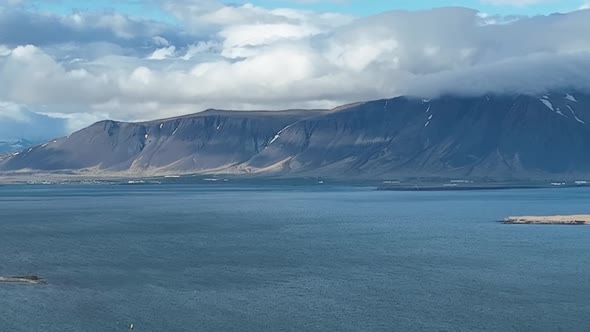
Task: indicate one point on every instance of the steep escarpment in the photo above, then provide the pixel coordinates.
(516, 136)
(494, 136)
(204, 141)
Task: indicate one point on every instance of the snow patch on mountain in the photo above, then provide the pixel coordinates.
(571, 98)
(548, 104)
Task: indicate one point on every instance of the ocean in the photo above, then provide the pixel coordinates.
(226, 257)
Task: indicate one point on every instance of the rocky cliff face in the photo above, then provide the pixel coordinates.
(501, 137)
(202, 142)
(495, 136)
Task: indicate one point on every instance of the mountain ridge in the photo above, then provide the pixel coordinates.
(512, 136)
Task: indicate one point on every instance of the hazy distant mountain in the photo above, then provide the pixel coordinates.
(501, 137)
(14, 145)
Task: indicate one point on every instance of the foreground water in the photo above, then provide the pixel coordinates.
(271, 258)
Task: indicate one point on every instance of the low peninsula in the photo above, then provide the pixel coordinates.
(581, 219)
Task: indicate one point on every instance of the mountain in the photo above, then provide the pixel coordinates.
(200, 142)
(494, 136)
(14, 145)
(502, 137)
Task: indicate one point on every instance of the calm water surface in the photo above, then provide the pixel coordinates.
(272, 258)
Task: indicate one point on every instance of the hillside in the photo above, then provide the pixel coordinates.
(501, 137)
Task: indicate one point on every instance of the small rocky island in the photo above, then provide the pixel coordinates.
(23, 280)
(582, 219)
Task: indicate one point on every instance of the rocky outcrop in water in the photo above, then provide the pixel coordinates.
(23, 280)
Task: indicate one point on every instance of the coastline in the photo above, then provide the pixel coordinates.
(401, 185)
(466, 188)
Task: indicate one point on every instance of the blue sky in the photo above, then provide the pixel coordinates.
(131, 7)
(355, 7)
(367, 7)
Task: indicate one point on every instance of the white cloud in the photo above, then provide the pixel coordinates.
(249, 57)
(16, 122)
(163, 53)
(13, 112)
(75, 121)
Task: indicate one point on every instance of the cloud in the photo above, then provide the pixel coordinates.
(244, 56)
(163, 53)
(18, 122)
(44, 29)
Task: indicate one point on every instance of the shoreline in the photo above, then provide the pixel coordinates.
(402, 185)
(469, 188)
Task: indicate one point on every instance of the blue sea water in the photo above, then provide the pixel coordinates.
(290, 258)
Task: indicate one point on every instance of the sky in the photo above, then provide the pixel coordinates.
(352, 7)
(65, 64)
